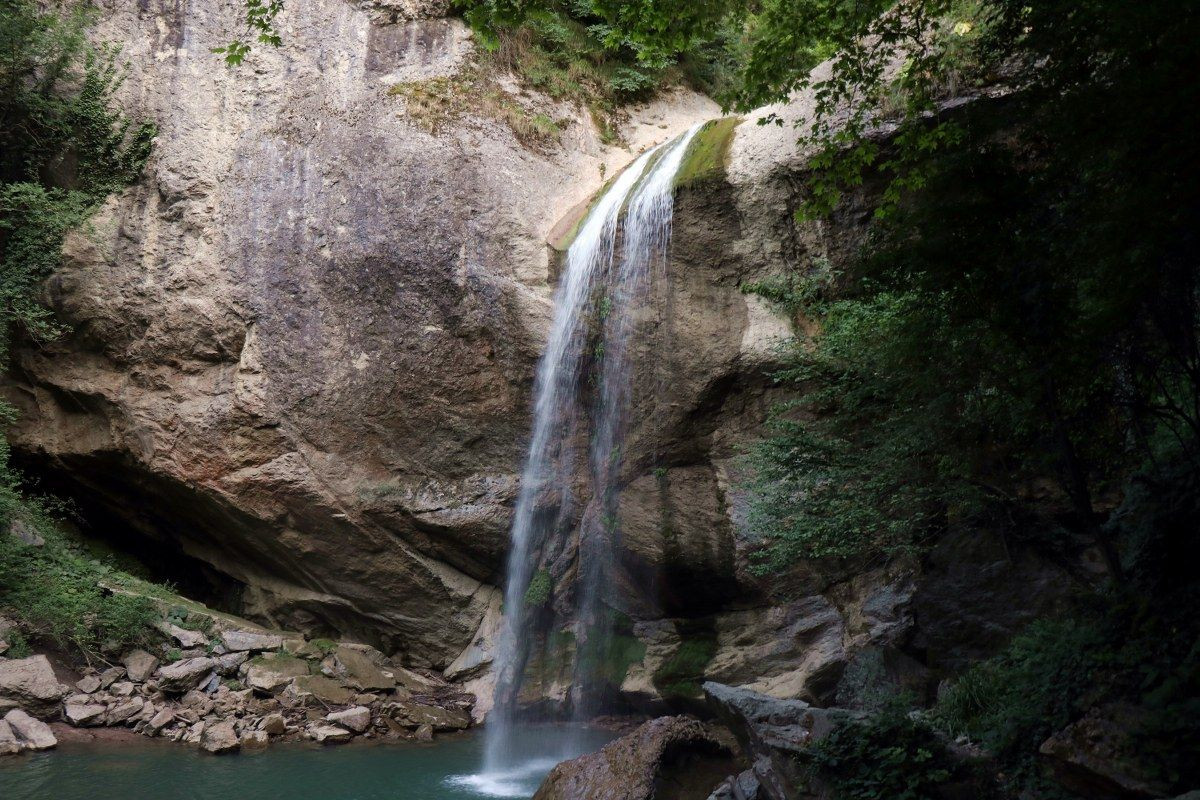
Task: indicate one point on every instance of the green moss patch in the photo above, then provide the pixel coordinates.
(708, 153)
(682, 674)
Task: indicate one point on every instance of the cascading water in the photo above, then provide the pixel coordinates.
(644, 192)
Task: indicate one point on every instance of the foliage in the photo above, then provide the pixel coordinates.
(604, 54)
(259, 21)
(1029, 309)
(57, 592)
(63, 148)
(541, 586)
(682, 673)
(889, 756)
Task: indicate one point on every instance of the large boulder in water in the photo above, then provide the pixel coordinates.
(29, 683)
(669, 758)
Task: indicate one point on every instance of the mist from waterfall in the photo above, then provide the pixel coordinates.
(606, 283)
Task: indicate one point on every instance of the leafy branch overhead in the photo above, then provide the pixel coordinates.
(260, 27)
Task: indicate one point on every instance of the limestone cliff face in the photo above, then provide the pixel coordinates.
(303, 348)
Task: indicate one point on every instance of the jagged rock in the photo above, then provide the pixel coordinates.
(251, 640)
(30, 683)
(88, 684)
(743, 786)
(187, 638)
(773, 732)
(184, 675)
(323, 688)
(254, 740)
(194, 732)
(792, 650)
(123, 688)
(25, 533)
(329, 734)
(197, 701)
(273, 724)
(668, 756)
(1096, 756)
(123, 712)
(84, 714)
(160, 720)
(355, 666)
(424, 733)
(272, 671)
(357, 719)
(110, 676)
(9, 744)
(220, 737)
(228, 663)
(412, 714)
(139, 665)
(33, 734)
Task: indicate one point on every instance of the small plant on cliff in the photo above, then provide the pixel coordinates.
(537, 595)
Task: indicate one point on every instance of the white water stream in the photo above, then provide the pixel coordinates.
(637, 208)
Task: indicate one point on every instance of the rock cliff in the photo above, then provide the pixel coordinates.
(302, 351)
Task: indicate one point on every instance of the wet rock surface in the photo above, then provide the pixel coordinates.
(669, 758)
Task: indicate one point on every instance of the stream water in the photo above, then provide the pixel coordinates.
(159, 770)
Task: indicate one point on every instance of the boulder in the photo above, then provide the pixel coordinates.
(773, 732)
(184, 675)
(123, 712)
(30, 683)
(325, 689)
(9, 744)
(273, 724)
(83, 715)
(355, 665)
(33, 734)
(743, 786)
(254, 740)
(256, 641)
(220, 737)
(122, 688)
(424, 733)
(357, 719)
(110, 676)
(228, 663)
(329, 734)
(665, 757)
(139, 665)
(270, 672)
(160, 720)
(88, 684)
(186, 638)
(1096, 756)
(412, 714)
(194, 732)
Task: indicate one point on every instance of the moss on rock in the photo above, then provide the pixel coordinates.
(707, 155)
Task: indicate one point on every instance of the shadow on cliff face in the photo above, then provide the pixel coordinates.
(137, 520)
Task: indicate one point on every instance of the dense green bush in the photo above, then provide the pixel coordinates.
(56, 592)
(887, 756)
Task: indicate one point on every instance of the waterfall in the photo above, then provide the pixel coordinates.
(638, 207)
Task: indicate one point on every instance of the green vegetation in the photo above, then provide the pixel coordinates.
(541, 588)
(589, 51)
(889, 755)
(609, 654)
(706, 155)
(682, 673)
(1026, 310)
(63, 149)
(54, 592)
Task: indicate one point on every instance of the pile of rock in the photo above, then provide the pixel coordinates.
(233, 689)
